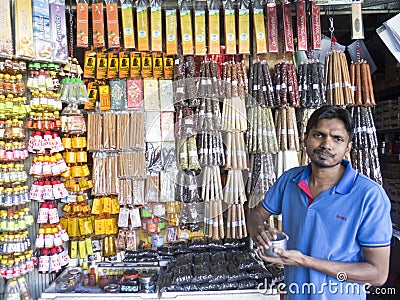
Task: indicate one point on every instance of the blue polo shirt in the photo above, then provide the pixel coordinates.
(334, 226)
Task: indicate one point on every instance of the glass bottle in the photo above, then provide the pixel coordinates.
(24, 291)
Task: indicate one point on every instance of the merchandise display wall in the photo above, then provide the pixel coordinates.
(150, 142)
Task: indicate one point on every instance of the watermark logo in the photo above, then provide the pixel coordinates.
(341, 276)
(331, 287)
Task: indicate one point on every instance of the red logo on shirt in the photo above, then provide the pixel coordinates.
(341, 217)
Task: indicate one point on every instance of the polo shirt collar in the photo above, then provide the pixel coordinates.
(345, 184)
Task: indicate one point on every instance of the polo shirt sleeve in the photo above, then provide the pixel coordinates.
(376, 227)
(273, 199)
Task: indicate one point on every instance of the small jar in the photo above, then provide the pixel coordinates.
(111, 288)
(147, 283)
(130, 282)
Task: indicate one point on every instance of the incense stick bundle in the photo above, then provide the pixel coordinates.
(94, 132)
(132, 165)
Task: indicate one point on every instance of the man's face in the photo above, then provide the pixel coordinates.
(327, 143)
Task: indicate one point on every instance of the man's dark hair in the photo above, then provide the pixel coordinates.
(332, 112)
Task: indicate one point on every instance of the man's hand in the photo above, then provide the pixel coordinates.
(263, 235)
(287, 257)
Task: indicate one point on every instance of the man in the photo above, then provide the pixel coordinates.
(337, 220)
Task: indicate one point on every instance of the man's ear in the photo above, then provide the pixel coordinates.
(349, 146)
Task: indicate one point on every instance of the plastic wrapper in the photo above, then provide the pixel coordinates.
(235, 274)
(247, 284)
(6, 38)
(259, 273)
(201, 274)
(183, 274)
(228, 285)
(191, 287)
(198, 244)
(216, 245)
(184, 259)
(246, 261)
(219, 273)
(41, 30)
(59, 42)
(235, 244)
(209, 287)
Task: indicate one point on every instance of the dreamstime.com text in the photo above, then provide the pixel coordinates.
(331, 287)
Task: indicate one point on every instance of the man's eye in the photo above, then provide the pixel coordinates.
(317, 135)
(339, 139)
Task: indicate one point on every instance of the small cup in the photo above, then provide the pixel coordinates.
(280, 242)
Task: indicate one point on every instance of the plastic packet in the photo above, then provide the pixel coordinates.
(247, 284)
(182, 275)
(246, 261)
(218, 258)
(235, 274)
(209, 287)
(235, 244)
(201, 274)
(259, 273)
(219, 273)
(198, 244)
(216, 245)
(229, 285)
(184, 259)
(191, 287)
(201, 258)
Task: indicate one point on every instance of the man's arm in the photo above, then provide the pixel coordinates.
(374, 270)
(258, 227)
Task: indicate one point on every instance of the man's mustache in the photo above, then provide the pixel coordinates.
(324, 152)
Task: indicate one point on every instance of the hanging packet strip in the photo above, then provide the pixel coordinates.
(123, 64)
(230, 29)
(118, 94)
(213, 31)
(98, 24)
(136, 64)
(41, 29)
(59, 42)
(156, 26)
(127, 24)
(200, 30)
(301, 25)
(142, 25)
(6, 40)
(157, 64)
(316, 27)
(89, 70)
(112, 24)
(82, 23)
(134, 90)
(287, 27)
(171, 32)
(259, 30)
(357, 27)
(24, 30)
(147, 64)
(186, 31)
(272, 27)
(112, 67)
(244, 28)
(168, 66)
(101, 65)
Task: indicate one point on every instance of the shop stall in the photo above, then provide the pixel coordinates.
(135, 136)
